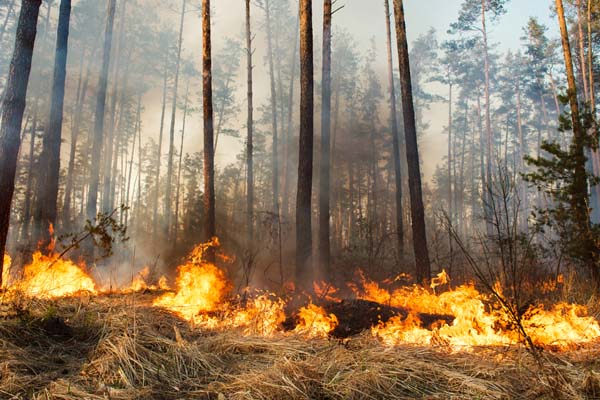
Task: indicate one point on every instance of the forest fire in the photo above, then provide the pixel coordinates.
(458, 318)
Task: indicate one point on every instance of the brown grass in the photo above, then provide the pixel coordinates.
(118, 347)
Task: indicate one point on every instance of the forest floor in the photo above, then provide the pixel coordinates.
(119, 347)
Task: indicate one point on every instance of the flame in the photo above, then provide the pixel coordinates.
(475, 323)
(201, 286)
(139, 282)
(6, 271)
(314, 321)
(51, 277)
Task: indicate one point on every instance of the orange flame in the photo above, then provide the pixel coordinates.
(6, 271)
(51, 277)
(314, 321)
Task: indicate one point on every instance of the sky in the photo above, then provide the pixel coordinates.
(364, 18)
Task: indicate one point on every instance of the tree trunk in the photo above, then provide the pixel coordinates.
(488, 118)
(275, 143)
(169, 188)
(159, 153)
(290, 113)
(13, 107)
(423, 267)
(582, 60)
(99, 116)
(209, 150)
(249, 140)
(46, 210)
(9, 12)
(579, 195)
(178, 182)
(29, 193)
(305, 151)
(325, 167)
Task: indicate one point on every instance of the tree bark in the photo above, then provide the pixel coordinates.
(169, 189)
(178, 182)
(159, 152)
(209, 150)
(46, 210)
(305, 153)
(579, 195)
(274, 127)
(423, 267)
(249, 139)
(92, 204)
(325, 164)
(13, 107)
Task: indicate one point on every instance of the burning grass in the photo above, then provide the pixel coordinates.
(63, 337)
(120, 347)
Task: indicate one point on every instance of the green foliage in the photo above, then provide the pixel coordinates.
(556, 174)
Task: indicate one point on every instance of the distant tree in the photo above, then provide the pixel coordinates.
(13, 106)
(99, 116)
(249, 138)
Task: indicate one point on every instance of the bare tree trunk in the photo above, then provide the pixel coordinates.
(29, 192)
(304, 272)
(582, 60)
(78, 116)
(290, 113)
(275, 142)
(579, 197)
(423, 267)
(49, 170)
(488, 118)
(522, 153)
(9, 12)
(13, 107)
(451, 215)
(249, 140)
(209, 149)
(159, 153)
(324, 182)
(169, 188)
(178, 190)
(99, 116)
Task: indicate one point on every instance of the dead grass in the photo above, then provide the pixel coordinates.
(118, 347)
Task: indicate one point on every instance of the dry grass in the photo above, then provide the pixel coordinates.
(118, 347)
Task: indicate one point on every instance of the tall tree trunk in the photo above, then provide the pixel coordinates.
(92, 204)
(579, 195)
(78, 116)
(423, 267)
(169, 189)
(580, 42)
(275, 142)
(305, 153)
(249, 139)
(49, 170)
(13, 107)
(135, 131)
(178, 183)
(29, 192)
(288, 134)
(522, 153)
(209, 149)
(159, 153)
(111, 145)
(325, 167)
(488, 120)
(9, 12)
(451, 215)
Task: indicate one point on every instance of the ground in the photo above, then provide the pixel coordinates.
(119, 347)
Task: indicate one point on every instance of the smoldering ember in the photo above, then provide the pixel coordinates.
(288, 199)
